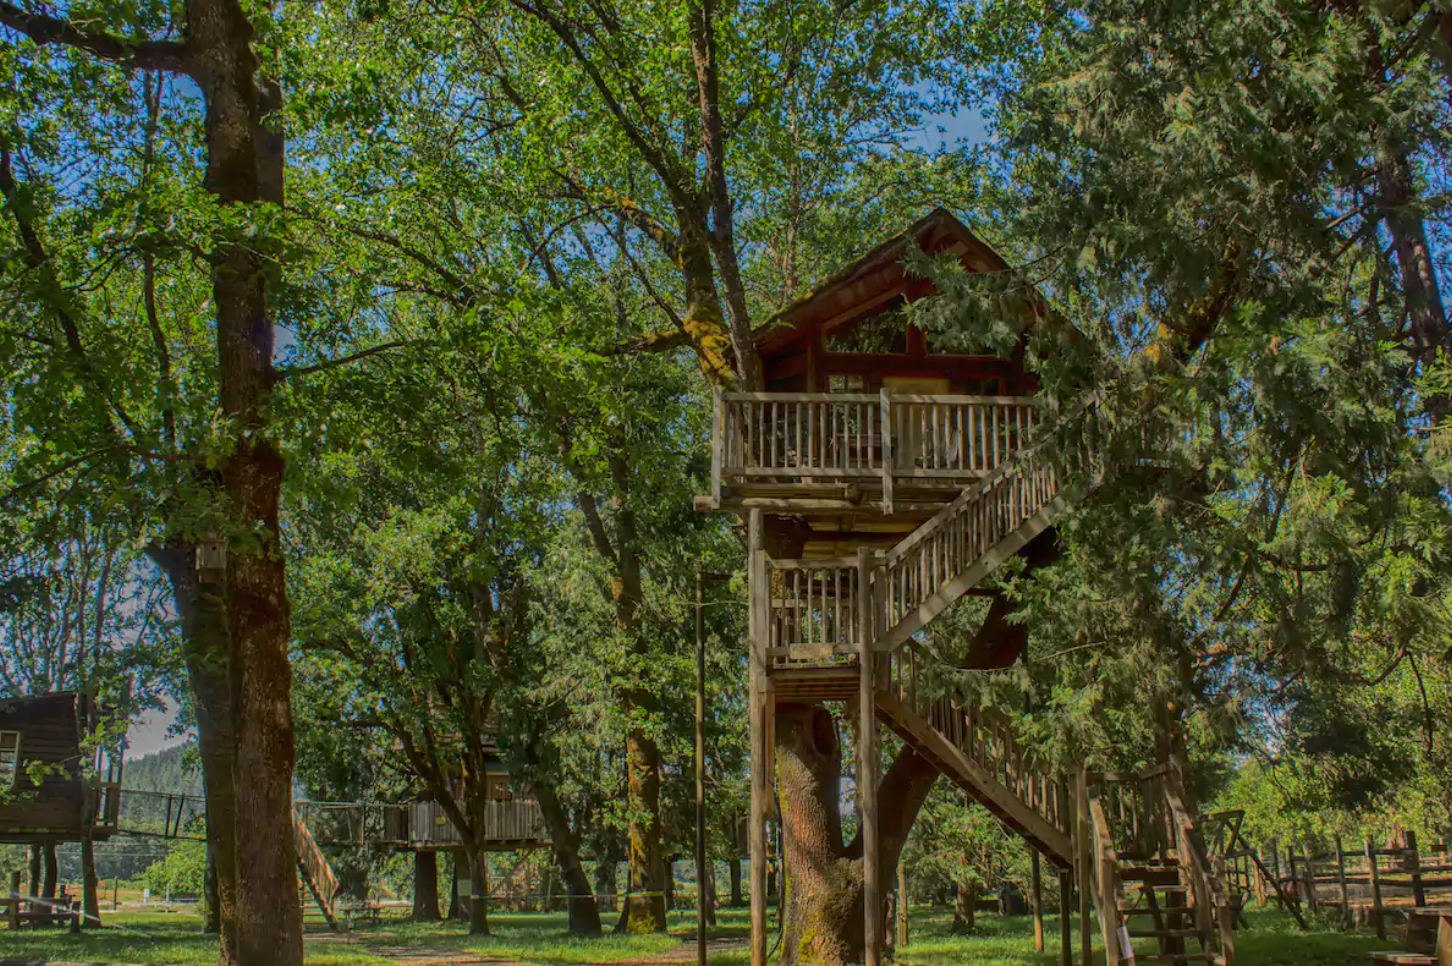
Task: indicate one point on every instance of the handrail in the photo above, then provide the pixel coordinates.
(1106, 876)
(321, 878)
(1212, 914)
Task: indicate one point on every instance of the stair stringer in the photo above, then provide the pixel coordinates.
(314, 870)
(1052, 842)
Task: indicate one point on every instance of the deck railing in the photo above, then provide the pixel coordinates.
(803, 438)
(815, 608)
(504, 821)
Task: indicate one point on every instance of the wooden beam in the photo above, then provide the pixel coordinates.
(756, 707)
(867, 768)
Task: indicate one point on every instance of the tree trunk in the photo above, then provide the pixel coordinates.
(90, 883)
(244, 167)
(478, 893)
(584, 912)
(824, 911)
(425, 886)
(965, 907)
(207, 650)
(52, 875)
(212, 911)
(645, 906)
(606, 882)
(734, 864)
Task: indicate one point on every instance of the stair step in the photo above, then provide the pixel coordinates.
(1150, 875)
(1163, 933)
(1130, 909)
(1177, 958)
(1400, 957)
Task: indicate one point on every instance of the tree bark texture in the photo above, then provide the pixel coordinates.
(584, 912)
(478, 893)
(207, 650)
(824, 911)
(425, 886)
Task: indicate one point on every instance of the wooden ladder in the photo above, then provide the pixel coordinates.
(1153, 877)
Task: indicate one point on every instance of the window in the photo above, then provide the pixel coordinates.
(9, 758)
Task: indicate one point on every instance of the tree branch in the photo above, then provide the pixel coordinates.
(144, 54)
(290, 371)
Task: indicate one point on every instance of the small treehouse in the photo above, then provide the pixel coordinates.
(46, 795)
(882, 477)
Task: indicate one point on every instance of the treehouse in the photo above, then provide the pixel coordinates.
(512, 818)
(44, 789)
(884, 474)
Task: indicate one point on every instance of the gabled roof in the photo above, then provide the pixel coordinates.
(874, 280)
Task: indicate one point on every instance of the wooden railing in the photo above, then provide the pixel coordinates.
(799, 437)
(1106, 884)
(985, 736)
(942, 550)
(504, 821)
(814, 611)
(321, 878)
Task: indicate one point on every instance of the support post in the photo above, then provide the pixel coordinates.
(1375, 874)
(867, 767)
(888, 463)
(1310, 871)
(1066, 941)
(902, 906)
(12, 912)
(1084, 875)
(701, 755)
(1038, 886)
(1414, 864)
(1341, 884)
(1275, 854)
(718, 443)
(1295, 873)
(758, 601)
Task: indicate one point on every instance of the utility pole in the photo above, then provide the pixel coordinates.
(700, 765)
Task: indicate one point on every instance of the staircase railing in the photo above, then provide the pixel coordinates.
(985, 737)
(1213, 915)
(1106, 885)
(317, 872)
(814, 611)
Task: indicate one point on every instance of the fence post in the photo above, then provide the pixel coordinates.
(1310, 871)
(1341, 882)
(1375, 889)
(1414, 861)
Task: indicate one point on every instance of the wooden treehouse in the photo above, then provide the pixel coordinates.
(512, 820)
(46, 793)
(883, 478)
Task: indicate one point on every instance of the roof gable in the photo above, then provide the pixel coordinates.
(874, 281)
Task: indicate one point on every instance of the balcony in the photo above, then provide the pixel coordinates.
(797, 452)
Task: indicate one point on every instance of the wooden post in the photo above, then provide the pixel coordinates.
(718, 443)
(1066, 942)
(12, 912)
(1310, 872)
(1084, 875)
(887, 460)
(1275, 852)
(759, 600)
(1341, 884)
(1295, 872)
(1375, 874)
(701, 755)
(1038, 886)
(902, 906)
(1414, 863)
(867, 767)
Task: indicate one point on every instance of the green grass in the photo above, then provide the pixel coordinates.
(157, 939)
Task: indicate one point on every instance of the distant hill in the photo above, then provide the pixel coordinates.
(171, 771)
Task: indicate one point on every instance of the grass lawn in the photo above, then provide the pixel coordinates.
(158, 939)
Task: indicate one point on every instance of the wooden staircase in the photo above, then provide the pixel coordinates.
(316, 879)
(843, 628)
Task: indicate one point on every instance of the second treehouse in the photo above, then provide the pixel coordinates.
(883, 477)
